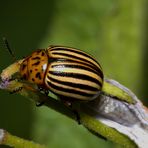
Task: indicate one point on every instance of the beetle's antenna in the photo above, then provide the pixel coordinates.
(8, 48)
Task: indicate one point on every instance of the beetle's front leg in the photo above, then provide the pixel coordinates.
(16, 90)
(44, 91)
(73, 106)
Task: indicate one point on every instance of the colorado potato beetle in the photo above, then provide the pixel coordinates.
(67, 72)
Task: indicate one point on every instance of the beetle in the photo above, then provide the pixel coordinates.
(69, 73)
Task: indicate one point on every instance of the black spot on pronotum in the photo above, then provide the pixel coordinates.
(30, 71)
(24, 66)
(38, 51)
(25, 76)
(43, 53)
(37, 63)
(33, 79)
(36, 58)
(38, 75)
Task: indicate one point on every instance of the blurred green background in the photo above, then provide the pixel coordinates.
(113, 31)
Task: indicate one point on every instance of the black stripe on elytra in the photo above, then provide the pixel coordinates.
(43, 53)
(38, 75)
(50, 60)
(78, 67)
(68, 90)
(97, 71)
(78, 51)
(23, 66)
(75, 85)
(76, 75)
(76, 57)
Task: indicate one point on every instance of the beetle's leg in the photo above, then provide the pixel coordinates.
(66, 102)
(10, 82)
(41, 89)
(39, 104)
(16, 90)
(46, 92)
(77, 117)
(69, 104)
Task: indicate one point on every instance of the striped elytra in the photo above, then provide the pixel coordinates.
(67, 72)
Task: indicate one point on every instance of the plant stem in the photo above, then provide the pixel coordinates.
(14, 141)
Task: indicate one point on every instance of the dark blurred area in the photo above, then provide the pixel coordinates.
(23, 23)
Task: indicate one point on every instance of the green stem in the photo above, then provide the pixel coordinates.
(90, 122)
(95, 126)
(98, 128)
(14, 141)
